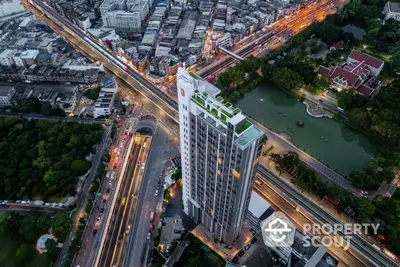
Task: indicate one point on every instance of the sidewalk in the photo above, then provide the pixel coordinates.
(221, 248)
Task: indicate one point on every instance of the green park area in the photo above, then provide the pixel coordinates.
(8, 252)
(19, 234)
(43, 160)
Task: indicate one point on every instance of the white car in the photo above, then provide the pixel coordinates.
(156, 193)
(148, 235)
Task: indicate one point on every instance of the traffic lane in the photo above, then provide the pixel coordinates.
(300, 220)
(158, 154)
(112, 233)
(130, 207)
(281, 28)
(138, 176)
(138, 173)
(108, 183)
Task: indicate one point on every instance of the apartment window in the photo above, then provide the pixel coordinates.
(236, 174)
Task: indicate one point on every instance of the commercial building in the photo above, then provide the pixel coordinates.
(219, 147)
(124, 15)
(122, 20)
(105, 101)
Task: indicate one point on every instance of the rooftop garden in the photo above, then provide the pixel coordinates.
(199, 101)
(194, 75)
(229, 115)
(244, 127)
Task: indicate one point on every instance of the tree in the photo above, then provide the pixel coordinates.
(10, 222)
(62, 225)
(24, 254)
(29, 228)
(29, 105)
(195, 262)
(92, 94)
(52, 250)
(177, 174)
(79, 167)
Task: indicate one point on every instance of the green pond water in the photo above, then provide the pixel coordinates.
(328, 140)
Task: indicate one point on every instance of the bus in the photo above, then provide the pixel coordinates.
(123, 201)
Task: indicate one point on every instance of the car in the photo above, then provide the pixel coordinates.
(254, 240)
(148, 235)
(101, 210)
(108, 190)
(94, 231)
(156, 194)
(98, 219)
(235, 260)
(247, 247)
(104, 200)
(127, 229)
(241, 253)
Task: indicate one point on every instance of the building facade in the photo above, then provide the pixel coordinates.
(104, 103)
(219, 148)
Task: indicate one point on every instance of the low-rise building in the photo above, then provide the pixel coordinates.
(104, 103)
(360, 72)
(6, 94)
(6, 57)
(392, 10)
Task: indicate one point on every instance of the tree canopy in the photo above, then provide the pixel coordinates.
(24, 254)
(62, 224)
(39, 158)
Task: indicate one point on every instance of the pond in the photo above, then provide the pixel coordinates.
(356, 31)
(328, 140)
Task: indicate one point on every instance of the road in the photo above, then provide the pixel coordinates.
(283, 28)
(161, 149)
(84, 197)
(91, 242)
(360, 249)
(112, 253)
(94, 50)
(50, 118)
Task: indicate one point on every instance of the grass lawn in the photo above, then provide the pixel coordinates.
(7, 254)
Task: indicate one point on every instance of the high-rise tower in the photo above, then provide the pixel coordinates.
(219, 148)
